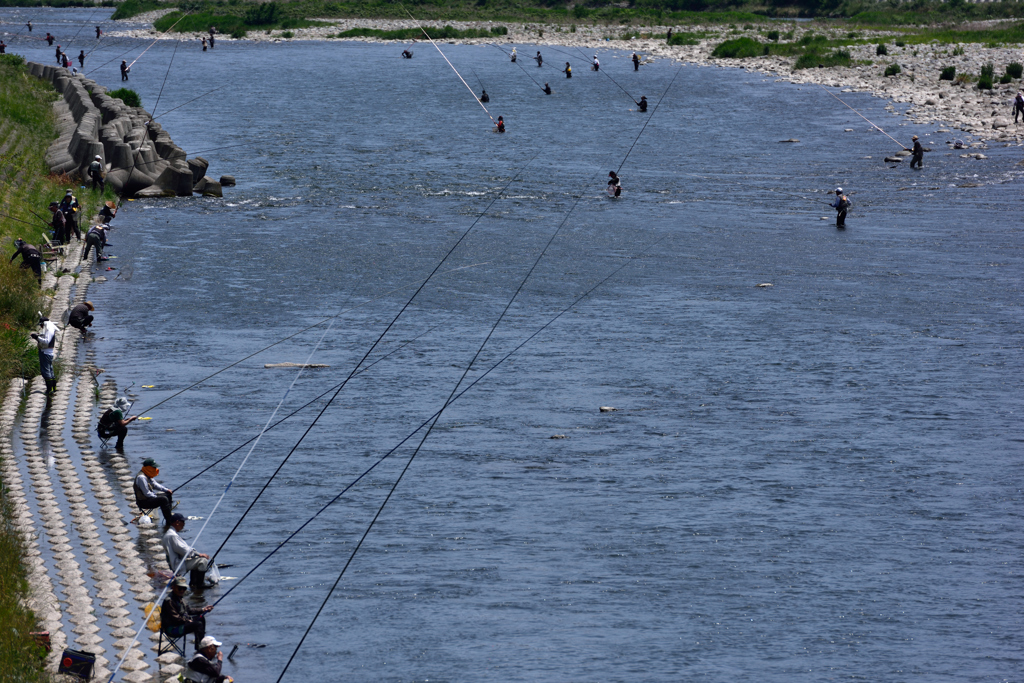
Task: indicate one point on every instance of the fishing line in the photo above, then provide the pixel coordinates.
(193, 100)
(412, 457)
(862, 116)
(131, 49)
(427, 421)
(451, 65)
(299, 409)
(368, 352)
(87, 23)
(156, 39)
(224, 493)
(649, 119)
(168, 73)
(610, 78)
(305, 329)
(520, 66)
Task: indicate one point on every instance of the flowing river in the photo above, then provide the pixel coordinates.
(817, 480)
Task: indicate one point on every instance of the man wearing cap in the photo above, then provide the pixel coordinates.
(205, 666)
(69, 206)
(918, 152)
(96, 173)
(149, 493)
(96, 239)
(174, 613)
(31, 257)
(45, 341)
(114, 422)
(182, 558)
(841, 205)
(81, 317)
(59, 223)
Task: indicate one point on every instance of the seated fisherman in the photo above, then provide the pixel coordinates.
(149, 493)
(181, 558)
(175, 614)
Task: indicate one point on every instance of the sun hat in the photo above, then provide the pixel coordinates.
(122, 403)
(207, 642)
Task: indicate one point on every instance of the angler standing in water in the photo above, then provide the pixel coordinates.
(213, 29)
(642, 104)
(81, 58)
(614, 188)
(59, 54)
(636, 62)
(501, 125)
(49, 39)
(540, 60)
(567, 70)
(547, 89)
(484, 97)
(918, 154)
(124, 70)
(3, 47)
(99, 32)
(513, 54)
(597, 65)
(406, 54)
(841, 205)
(29, 24)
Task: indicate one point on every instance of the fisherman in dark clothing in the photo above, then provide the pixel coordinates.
(124, 70)
(614, 188)
(81, 317)
(567, 70)
(96, 239)
(484, 97)
(918, 154)
(547, 89)
(501, 125)
(65, 62)
(69, 206)
(59, 56)
(642, 104)
(59, 224)
(30, 255)
(108, 212)
(406, 54)
(29, 24)
(49, 39)
(99, 32)
(636, 62)
(114, 422)
(3, 47)
(95, 172)
(81, 59)
(205, 666)
(174, 613)
(668, 37)
(841, 205)
(540, 60)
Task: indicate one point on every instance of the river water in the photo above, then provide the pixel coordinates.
(820, 480)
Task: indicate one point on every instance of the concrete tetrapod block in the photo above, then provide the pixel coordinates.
(198, 166)
(208, 187)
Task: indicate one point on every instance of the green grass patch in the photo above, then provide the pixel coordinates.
(948, 74)
(446, 33)
(684, 38)
(739, 48)
(893, 69)
(1015, 69)
(131, 8)
(267, 16)
(811, 60)
(128, 96)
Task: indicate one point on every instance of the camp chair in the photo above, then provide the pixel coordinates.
(175, 640)
(53, 249)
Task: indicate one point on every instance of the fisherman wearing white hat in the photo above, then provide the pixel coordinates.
(96, 173)
(205, 666)
(597, 64)
(841, 205)
(46, 340)
(115, 421)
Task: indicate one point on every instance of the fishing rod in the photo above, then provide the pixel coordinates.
(368, 352)
(131, 49)
(433, 423)
(610, 78)
(305, 329)
(649, 119)
(423, 424)
(453, 396)
(156, 39)
(168, 73)
(298, 410)
(873, 124)
(193, 100)
(451, 65)
(520, 66)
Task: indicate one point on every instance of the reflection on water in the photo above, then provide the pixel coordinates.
(813, 480)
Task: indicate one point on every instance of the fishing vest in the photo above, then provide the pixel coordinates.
(193, 675)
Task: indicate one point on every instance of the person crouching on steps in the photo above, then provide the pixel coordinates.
(114, 422)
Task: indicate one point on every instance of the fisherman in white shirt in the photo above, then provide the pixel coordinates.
(45, 341)
(177, 550)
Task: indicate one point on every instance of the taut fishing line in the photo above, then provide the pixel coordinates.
(156, 39)
(166, 74)
(519, 65)
(873, 124)
(649, 118)
(305, 329)
(366, 355)
(298, 410)
(453, 67)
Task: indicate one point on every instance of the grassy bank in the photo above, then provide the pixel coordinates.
(27, 127)
(21, 658)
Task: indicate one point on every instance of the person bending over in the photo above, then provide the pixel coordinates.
(31, 257)
(81, 317)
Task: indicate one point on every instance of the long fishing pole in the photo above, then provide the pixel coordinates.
(520, 66)
(649, 118)
(426, 435)
(156, 39)
(298, 410)
(423, 424)
(873, 124)
(605, 72)
(305, 329)
(451, 65)
(166, 74)
(368, 352)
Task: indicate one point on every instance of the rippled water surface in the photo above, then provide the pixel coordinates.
(819, 480)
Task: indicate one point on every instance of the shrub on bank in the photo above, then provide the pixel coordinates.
(683, 38)
(881, 49)
(892, 69)
(1015, 69)
(988, 71)
(738, 48)
(812, 59)
(128, 96)
(984, 82)
(773, 36)
(948, 74)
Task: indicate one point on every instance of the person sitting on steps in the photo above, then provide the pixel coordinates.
(114, 423)
(149, 493)
(176, 615)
